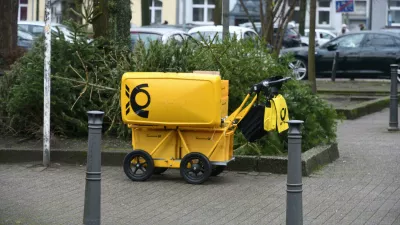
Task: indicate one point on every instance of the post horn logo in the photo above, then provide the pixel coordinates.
(283, 114)
(138, 109)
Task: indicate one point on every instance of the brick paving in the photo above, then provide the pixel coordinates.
(361, 187)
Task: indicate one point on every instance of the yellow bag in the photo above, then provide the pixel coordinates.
(270, 116)
(277, 115)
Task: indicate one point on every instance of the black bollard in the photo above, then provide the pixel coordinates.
(92, 212)
(393, 114)
(294, 202)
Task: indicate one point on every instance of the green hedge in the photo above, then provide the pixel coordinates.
(87, 76)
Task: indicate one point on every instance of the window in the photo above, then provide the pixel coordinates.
(380, 41)
(349, 41)
(323, 12)
(145, 37)
(296, 12)
(155, 11)
(250, 36)
(23, 10)
(394, 12)
(360, 8)
(326, 36)
(203, 10)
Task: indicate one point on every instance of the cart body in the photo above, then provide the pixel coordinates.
(180, 120)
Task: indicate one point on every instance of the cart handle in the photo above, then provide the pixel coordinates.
(267, 83)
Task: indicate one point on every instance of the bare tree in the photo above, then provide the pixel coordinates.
(100, 22)
(278, 12)
(8, 26)
(302, 19)
(311, 47)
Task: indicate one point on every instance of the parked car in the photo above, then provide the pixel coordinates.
(36, 28)
(209, 32)
(25, 39)
(321, 37)
(291, 37)
(361, 54)
(147, 35)
(185, 28)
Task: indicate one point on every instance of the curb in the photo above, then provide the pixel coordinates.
(345, 92)
(68, 157)
(311, 160)
(364, 108)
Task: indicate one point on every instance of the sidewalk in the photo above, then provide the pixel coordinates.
(361, 187)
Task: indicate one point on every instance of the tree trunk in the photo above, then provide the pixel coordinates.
(302, 22)
(311, 47)
(269, 29)
(100, 23)
(145, 12)
(8, 26)
(218, 13)
(119, 21)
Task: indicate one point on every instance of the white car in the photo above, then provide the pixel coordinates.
(209, 32)
(321, 36)
(36, 28)
(148, 34)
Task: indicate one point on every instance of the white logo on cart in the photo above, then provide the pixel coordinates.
(138, 109)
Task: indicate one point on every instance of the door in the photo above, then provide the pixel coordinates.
(368, 56)
(349, 54)
(385, 52)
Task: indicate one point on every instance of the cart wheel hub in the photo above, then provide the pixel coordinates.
(138, 165)
(196, 167)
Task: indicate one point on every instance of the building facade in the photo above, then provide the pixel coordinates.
(201, 12)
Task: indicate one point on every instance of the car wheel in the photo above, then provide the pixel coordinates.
(299, 67)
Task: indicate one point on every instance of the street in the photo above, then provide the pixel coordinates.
(361, 187)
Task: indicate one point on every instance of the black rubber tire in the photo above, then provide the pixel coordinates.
(148, 165)
(159, 170)
(190, 175)
(217, 170)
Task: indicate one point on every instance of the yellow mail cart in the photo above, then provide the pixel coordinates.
(180, 121)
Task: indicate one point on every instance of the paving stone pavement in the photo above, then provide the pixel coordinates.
(361, 187)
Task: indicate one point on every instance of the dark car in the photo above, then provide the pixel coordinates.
(291, 38)
(361, 55)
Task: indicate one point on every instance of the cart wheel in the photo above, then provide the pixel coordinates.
(159, 170)
(138, 165)
(217, 170)
(195, 168)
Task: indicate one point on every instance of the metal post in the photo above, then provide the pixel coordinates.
(225, 19)
(370, 15)
(46, 85)
(294, 202)
(393, 115)
(184, 15)
(93, 175)
(334, 65)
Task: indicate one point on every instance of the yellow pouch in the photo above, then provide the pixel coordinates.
(282, 113)
(270, 116)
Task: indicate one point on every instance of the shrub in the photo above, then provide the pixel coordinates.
(87, 76)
